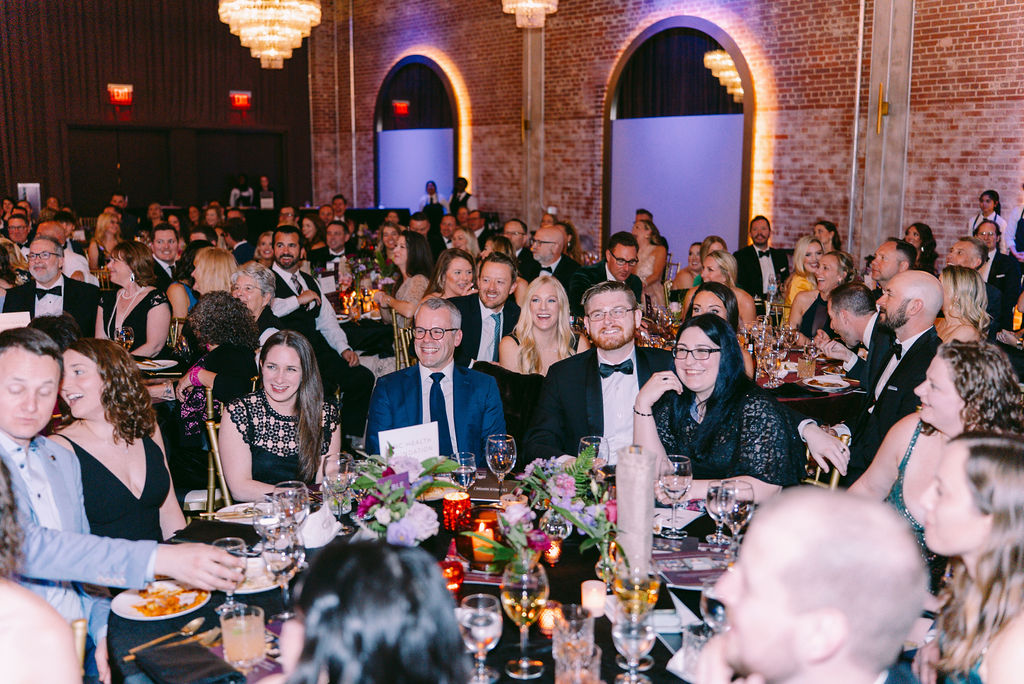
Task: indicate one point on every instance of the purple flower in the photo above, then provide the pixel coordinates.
(517, 513)
(564, 486)
(538, 540)
(407, 465)
(402, 533)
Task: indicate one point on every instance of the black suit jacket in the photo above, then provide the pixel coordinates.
(472, 323)
(436, 242)
(163, 279)
(563, 273)
(319, 257)
(1004, 275)
(586, 276)
(994, 309)
(244, 252)
(529, 268)
(81, 300)
(878, 348)
(571, 404)
(748, 275)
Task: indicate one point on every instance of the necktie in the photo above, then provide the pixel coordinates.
(296, 283)
(763, 254)
(440, 414)
(497, 335)
(52, 291)
(607, 369)
(897, 349)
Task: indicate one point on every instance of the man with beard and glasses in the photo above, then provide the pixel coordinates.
(592, 393)
(907, 307)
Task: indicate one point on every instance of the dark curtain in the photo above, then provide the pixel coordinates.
(666, 77)
(422, 88)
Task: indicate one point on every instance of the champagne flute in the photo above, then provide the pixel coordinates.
(717, 503)
(339, 473)
(633, 640)
(741, 510)
(675, 481)
(479, 618)
(236, 547)
(281, 552)
(500, 453)
(711, 606)
(524, 592)
(465, 473)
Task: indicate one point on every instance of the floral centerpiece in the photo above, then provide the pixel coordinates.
(523, 541)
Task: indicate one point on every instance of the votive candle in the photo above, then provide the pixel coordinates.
(453, 575)
(455, 509)
(548, 616)
(507, 500)
(592, 596)
(554, 552)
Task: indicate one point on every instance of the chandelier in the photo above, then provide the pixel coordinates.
(271, 29)
(724, 69)
(529, 13)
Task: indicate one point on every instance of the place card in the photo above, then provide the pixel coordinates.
(416, 441)
(328, 284)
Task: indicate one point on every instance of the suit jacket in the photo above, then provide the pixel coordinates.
(585, 276)
(896, 400)
(71, 554)
(436, 242)
(1004, 275)
(472, 324)
(748, 275)
(244, 252)
(397, 401)
(163, 279)
(529, 268)
(319, 257)
(571, 404)
(563, 273)
(878, 348)
(81, 300)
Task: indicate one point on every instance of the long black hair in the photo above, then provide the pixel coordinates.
(725, 295)
(419, 260)
(377, 614)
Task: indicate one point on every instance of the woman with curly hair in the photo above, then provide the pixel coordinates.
(543, 334)
(964, 301)
(137, 305)
(920, 236)
(125, 480)
(969, 387)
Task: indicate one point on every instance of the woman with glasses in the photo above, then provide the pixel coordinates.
(137, 305)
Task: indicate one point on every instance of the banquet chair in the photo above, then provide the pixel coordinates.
(216, 486)
(79, 629)
(403, 338)
(102, 276)
(834, 475)
(177, 324)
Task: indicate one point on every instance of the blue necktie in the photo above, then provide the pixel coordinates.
(497, 335)
(440, 414)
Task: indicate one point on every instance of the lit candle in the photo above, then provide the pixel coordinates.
(593, 596)
(453, 575)
(456, 509)
(481, 550)
(548, 616)
(554, 552)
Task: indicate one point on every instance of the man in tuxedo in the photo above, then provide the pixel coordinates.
(1001, 271)
(620, 260)
(236, 238)
(461, 198)
(475, 221)
(165, 253)
(300, 306)
(75, 265)
(447, 229)
(548, 247)
(19, 230)
(129, 222)
(908, 307)
(758, 264)
(516, 232)
(339, 205)
(51, 293)
(465, 403)
(826, 587)
(490, 314)
(336, 239)
(592, 393)
(851, 309)
(68, 222)
(419, 223)
(58, 553)
(972, 253)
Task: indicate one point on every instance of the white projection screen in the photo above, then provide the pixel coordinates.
(407, 159)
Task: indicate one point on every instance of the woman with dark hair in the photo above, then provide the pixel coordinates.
(137, 305)
(573, 248)
(126, 483)
(314, 233)
(989, 209)
(920, 236)
(718, 299)
(828, 235)
(414, 261)
(453, 275)
(809, 312)
(181, 294)
(373, 613)
(282, 430)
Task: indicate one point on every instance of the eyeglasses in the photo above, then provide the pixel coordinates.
(512, 233)
(626, 262)
(40, 256)
(435, 333)
(535, 241)
(987, 233)
(615, 314)
(699, 354)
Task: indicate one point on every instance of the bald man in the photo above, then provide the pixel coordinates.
(908, 306)
(826, 587)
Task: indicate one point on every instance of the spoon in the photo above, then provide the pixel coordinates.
(190, 628)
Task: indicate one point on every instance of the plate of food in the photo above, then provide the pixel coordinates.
(257, 578)
(156, 364)
(237, 513)
(160, 600)
(826, 383)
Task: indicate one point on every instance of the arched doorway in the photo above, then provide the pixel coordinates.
(677, 142)
(416, 133)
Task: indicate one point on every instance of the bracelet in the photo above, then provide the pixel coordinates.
(645, 415)
(193, 376)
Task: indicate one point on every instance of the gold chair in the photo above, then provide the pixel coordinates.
(833, 480)
(102, 275)
(174, 333)
(79, 629)
(214, 469)
(403, 338)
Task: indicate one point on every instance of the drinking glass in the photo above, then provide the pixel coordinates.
(675, 480)
(465, 474)
(636, 586)
(243, 632)
(339, 474)
(500, 453)
(711, 606)
(739, 514)
(717, 503)
(292, 499)
(573, 637)
(265, 516)
(281, 552)
(125, 337)
(633, 640)
(237, 548)
(600, 445)
(524, 591)
(480, 624)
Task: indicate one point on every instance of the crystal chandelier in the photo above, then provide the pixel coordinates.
(724, 69)
(271, 29)
(529, 13)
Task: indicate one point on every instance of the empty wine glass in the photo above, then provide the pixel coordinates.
(501, 456)
(339, 473)
(718, 501)
(675, 480)
(292, 499)
(711, 606)
(633, 639)
(281, 553)
(480, 623)
(236, 547)
(465, 473)
(125, 337)
(739, 514)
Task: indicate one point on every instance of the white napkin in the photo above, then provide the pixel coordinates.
(319, 528)
(663, 518)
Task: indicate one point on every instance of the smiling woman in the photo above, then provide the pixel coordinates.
(544, 335)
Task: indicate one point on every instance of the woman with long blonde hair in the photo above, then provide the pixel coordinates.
(806, 253)
(214, 266)
(104, 239)
(543, 334)
(720, 267)
(963, 303)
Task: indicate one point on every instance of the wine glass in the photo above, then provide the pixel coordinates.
(281, 552)
(600, 445)
(480, 620)
(675, 480)
(500, 453)
(719, 500)
(292, 499)
(524, 591)
(711, 606)
(236, 547)
(125, 337)
(636, 586)
(633, 639)
(465, 473)
(741, 510)
(339, 473)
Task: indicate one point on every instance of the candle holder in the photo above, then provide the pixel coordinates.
(507, 500)
(451, 570)
(548, 618)
(483, 519)
(456, 510)
(554, 552)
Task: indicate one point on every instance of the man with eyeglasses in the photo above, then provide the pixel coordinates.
(758, 263)
(465, 404)
(547, 247)
(1001, 271)
(592, 393)
(516, 232)
(620, 260)
(51, 293)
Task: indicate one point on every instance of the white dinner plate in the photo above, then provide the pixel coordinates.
(826, 383)
(236, 513)
(156, 364)
(126, 603)
(257, 578)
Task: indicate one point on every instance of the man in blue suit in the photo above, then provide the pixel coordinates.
(465, 403)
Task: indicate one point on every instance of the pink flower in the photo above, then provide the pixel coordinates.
(517, 513)
(365, 504)
(611, 509)
(564, 485)
(538, 540)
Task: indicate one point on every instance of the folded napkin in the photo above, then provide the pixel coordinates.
(319, 528)
(205, 531)
(187, 664)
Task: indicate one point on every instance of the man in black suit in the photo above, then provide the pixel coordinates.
(337, 246)
(447, 230)
(592, 393)
(490, 314)
(971, 252)
(1001, 271)
(908, 308)
(165, 253)
(236, 238)
(475, 221)
(516, 232)
(548, 247)
(19, 231)
(620, 260)
(419, 223)
(758, 263)
(851, 309)
(129, 222)
(52, 294)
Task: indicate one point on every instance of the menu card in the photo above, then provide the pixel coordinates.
(416, 441)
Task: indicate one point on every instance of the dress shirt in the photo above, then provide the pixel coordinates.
(607, 271)
(326, 320)
(767, 268)
(1000, 221)
(554, 265)
(448, 387)
(618, 392)
(334, 257)
(986, 267)
(890, 367)
(73, 261)
(485, 351)
(51, 304)
(480, 232)
(869, 330)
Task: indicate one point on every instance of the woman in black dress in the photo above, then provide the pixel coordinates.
(136, 305)
(809, 312)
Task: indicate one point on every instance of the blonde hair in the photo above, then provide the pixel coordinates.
(105, 223)
(472, 244)
(705, 246)
(218, 264)
(968, 297)
(800, 253)
(726, 264)
(15, 256)
(529, 356)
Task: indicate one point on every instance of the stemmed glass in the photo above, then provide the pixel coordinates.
(125, 337)
(465, 473)
(524, 591)
(739, 514)
(292, 499)
(480, 624)
(711, 606)
(500, 453)
(633, 639)
(719, 500)
(339, 473)
(281, 552)
(675, 480)
(236, 547)
(636, 586)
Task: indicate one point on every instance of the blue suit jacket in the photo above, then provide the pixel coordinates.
(397, 401)
(72, 554)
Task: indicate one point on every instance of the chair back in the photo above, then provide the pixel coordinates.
(102, 276)
(403, 339)
(174, 333)
(215, 471)
(79, 629)
(815, 480)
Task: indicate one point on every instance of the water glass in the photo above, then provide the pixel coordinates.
(480, 623)
(694, 637)
(242, 629)
(339, 473)
(237, 548)
(742, 509)
(573, 637)
(718, 501)
(633, 639)
(583, 670)
(282, 552)
(292, 500)
(465, 473)
(675, 480)
(500, 453)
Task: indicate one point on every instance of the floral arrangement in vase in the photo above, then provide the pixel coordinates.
(522, 540)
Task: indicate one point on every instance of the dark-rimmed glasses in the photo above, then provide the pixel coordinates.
(699, 354)
(435, 333)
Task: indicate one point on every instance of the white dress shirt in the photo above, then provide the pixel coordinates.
(73, 261)
(326, 320)
(485, 351)
(890, 367)
(618, 392)
(554, 265)
(168, 268)
(869, 330)
(448, 387)
(767, 269)
(986, 267)
(51, 304)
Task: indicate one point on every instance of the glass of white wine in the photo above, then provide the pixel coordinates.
(480, 620)
(524, 592)
(636, 586)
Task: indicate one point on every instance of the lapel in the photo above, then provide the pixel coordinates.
(462, 390)
(753, 267)
(910, 361)
(414, 397)
(59, 476)
(593, 398)
(643, 367)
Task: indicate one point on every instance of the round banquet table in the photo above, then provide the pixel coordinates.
(828, 408)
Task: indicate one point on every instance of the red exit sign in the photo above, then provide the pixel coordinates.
(400, 107)
(120, 94)
(240, 99)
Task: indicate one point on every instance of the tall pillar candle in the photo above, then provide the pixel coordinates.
(634, 481)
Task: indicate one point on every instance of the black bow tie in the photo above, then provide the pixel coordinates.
(898, 351)
(546, 269)
(762, 255)
(52, 291)
(608, 369)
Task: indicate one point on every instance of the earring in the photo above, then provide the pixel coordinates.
(132, 277)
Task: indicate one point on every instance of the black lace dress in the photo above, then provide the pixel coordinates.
(758, 439)
(273, 439)
(137, 319)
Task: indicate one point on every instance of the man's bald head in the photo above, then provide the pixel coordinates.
(51, 229)
(923, 286)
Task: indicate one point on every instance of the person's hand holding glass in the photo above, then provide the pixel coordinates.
(236, 547)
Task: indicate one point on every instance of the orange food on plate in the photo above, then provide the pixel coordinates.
(161, 600)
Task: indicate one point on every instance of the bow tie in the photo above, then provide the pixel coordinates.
(898, 351)
(762, 255)
(546, 269)
(607, 369)
(52, 291)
